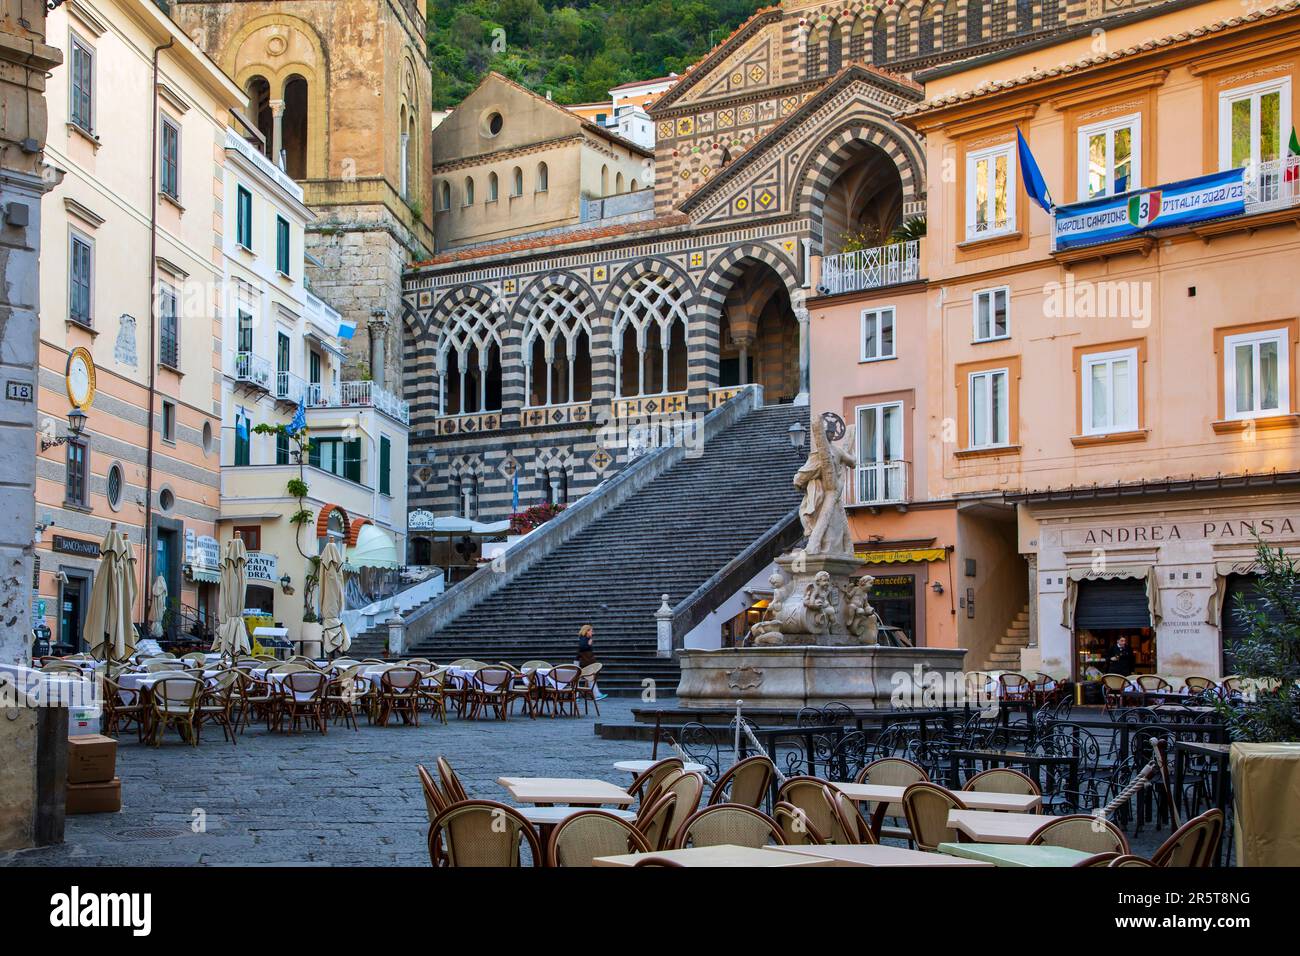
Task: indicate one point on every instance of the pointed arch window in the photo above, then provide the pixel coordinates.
(813, 55)
(517, 183)
(469, 190)
(975, 21)
(543, 177)
(835, 49)
(493, 187)
(649, 339)
(903, 35)
(880, 39)
(557, 350)
(469, 361)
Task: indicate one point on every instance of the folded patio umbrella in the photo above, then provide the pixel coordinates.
(335, 635)
(232, 636)
(157, 606)
(110, 631)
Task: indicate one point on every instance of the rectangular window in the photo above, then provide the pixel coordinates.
(243, 439)
(170, 159)
(81, 110)
(988, 408)
(313, 367)
(991, 191)
(881, 470)
(80, 278)
(1256, 377)
(338, 457)
(281, 352)
(169, 421)
(1110, 392)
(992, 314)
(245, 337)
(385, 465)
(877, 334)
(251, 535)
(281, 448)
(75, 473)
(169, 352)
(1110, 157)
(244, 217)
(1254, 124)
(282, 245)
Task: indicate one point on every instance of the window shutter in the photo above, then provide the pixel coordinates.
(385, 463)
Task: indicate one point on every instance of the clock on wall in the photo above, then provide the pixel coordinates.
(81, 378)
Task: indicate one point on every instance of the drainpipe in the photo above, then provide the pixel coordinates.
(147, 588)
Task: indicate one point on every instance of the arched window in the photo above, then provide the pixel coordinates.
(543, 177)
(998, 19)
(975, 21)
(858, 40)
(518, 189)
(903, 35)
(835, 49)
(557, 350)
(649, 338)
(293, 128)
(1024, 16)
(618, 182)
(635, 185)
(813, 55)
(259, 111)
(445, 198)
(950, 26)
(880, 39)
(604, 180)
(929, 28)
(469, 361)
(469, 190)
(493, 187)
(404, 146)
(1051, 13)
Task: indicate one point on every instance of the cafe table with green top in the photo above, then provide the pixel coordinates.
(1014, 854)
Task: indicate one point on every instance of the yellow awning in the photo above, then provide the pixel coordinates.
(903, 557)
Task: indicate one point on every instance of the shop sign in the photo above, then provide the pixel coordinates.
(207, 553)
(77, 546)
(1246, 529)
(261, 566)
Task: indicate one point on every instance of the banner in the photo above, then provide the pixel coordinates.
(1177, 204)
(261, 566)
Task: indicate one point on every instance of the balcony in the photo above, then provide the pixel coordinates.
(871, 268)
(253, 370)
(880, 483)
(1275, 186)
(289, 387)
(358, 395)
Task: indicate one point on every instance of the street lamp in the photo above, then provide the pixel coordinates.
(76, 425)
(798, 435)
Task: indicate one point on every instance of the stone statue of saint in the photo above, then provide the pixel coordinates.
(821, 480)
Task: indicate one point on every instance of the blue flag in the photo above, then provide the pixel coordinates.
(1035, 185)
(299, 419)
(241, 426)
(514, 506)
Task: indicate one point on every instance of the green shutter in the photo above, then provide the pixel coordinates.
(352, 460)
(385, 463)
(313, 456)
(281, 448)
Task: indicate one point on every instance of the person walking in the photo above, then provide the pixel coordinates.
(587, 653)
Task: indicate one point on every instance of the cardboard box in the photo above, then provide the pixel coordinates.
(95, 797)
(92, 758)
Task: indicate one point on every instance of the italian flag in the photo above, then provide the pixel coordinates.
(1292, 158)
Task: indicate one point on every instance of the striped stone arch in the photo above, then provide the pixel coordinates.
(602, 372)
(469, 313)
(832, 155)
(418, 374)
(558, 303)
(564, 280)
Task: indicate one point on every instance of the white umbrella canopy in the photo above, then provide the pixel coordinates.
(232, 635)
(109, 628)
(334, 635)
(157, 606)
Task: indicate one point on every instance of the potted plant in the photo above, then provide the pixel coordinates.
(312, 634)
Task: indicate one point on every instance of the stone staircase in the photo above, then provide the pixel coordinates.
(1005, 655)
(669, 537)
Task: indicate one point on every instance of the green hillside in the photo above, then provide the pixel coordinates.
(576, 50)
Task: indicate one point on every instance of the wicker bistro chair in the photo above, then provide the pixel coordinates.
(435, 801)
(481, 833)
(688, 788)
(490, 688)
(1154, 682)
(795, 826)
(650, 781)
(892, 772)
(587, 687)
(579, 839)
(302, 694)
(122, 707)
(1097, 860)
(1003, 780)
(1199, 685)
(432, 691)
(926, 807)
(1113, 687)
(1194, 844)
(746, 783)
(727, 824)
(1081, 831)
(653, 818)
(856, 828)
(399, 694)
(174, 701)
(1127, 860)
(812, 797)
(1013, 686)
(560, 688)
(452, 788)
(216, 705)
(257, 698)
(342, 695)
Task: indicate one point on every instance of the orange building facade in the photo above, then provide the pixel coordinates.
(1101, 404)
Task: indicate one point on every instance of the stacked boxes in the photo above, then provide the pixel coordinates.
(93, 786)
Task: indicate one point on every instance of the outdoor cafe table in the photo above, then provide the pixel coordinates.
(873, 854)
(641, 766)
(723, 855)
(986, 826)
(1032, 762)
(548, 791)
(1014, 854)
(883, 795)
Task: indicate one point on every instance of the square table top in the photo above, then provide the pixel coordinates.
(565, 790)
(875, 855)
(549, 816)
(724, 855)
(984, 826)
(1014, 854)
(976, 800)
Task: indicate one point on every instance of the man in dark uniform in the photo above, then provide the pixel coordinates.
(1121, 659)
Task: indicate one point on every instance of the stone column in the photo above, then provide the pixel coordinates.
(805, 356)
(742, 343)
(277, 131)
(378, 331)
(664, 629)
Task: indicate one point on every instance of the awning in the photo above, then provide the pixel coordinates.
(205, 575)
(1115, 572)
(905, 556)
(448, 524)
(374, 549)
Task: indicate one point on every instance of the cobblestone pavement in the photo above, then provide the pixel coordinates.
(350, 798)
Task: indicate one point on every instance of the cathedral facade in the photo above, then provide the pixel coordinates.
(778, 165)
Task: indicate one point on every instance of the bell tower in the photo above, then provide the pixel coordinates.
(340, 93)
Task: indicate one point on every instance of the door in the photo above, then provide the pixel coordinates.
(71, 614)
(880, 453)
(166, 564)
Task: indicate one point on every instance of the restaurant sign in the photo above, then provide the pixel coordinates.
(1215, 196)
(261, 566)
(78, 546)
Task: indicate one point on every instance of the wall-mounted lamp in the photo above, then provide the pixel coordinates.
(798, 435)
(937, 587)
(286, 584)
(76, 425)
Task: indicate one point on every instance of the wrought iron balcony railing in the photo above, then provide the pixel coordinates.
(871, 268)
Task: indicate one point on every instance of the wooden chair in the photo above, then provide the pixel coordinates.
(257, 697)
(342, 695)
(688, 788)
(174, 701)
(746, 783)
(1154, 682)
(1015, 686)
(122, 707)
(432, 691)
(587, 687)
(891, 772)
(653, 818)
(1081, 831)
(1194, 844)
(194, 659)
(795, 826)
(434, 800)
(302, 694)
(728, 824)
(579, 839)
(647, 783)
(560, 688)
(216, 705)
(451, 785)
(926, 807)
(490, 688)
(856, 828)
(1113, 688)
(399, 694)
(534, 665)
(481, 833)
(1198, 685)
(812, 797)
(1004, 780)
